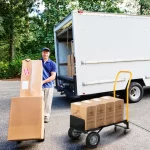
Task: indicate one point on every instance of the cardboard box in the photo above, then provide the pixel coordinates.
(71, 70)
(71, 60)
(100, 112)
(26, 120)
(86, 112)
(110, 110)
(118, 107)
(75, 109)
(68, 60)
(31, 78)
(119, 110)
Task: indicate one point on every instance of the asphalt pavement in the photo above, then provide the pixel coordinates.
(137, 138)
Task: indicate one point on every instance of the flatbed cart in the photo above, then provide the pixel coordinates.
(77, 125)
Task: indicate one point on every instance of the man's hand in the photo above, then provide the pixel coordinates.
(43, 82)
(51, 78)
(27, 59)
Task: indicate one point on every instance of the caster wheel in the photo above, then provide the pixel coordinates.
(92, 140)
(74, 134)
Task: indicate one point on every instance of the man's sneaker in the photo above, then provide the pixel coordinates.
(46, 119)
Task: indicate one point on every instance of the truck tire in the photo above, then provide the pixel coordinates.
(135, 92)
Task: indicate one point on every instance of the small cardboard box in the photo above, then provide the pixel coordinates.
(31, 78)
(118, 107)
(100, 112)
(110, 110)
(26, 121)
(86, 112)
(75, 109)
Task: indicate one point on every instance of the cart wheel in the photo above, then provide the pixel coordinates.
(92, 140)
(42, 140)
(115, 128)
(74, 134)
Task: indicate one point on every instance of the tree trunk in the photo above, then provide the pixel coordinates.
(141, 9)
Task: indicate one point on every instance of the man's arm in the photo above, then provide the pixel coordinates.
(51, 78)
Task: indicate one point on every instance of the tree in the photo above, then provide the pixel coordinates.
(144, 7)
(101, 5)
(15, 19)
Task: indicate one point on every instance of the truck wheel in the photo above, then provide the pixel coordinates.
(92, 140)
(74, 134)
(135, 92)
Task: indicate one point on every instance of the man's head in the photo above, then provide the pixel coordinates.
(45, 53)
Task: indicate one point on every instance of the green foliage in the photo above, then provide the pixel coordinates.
(23, 36)
(100, 6)
(144, 7)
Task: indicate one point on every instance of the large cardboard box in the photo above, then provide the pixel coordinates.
(86, 112)
(68, 60)
(100, 112)
(31, 78)
(26, 120)
(71, 70)
(71, 60)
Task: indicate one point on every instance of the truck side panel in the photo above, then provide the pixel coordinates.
(106, 44)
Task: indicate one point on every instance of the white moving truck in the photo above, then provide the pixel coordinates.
(103, 45)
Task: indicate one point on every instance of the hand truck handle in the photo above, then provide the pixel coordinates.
(127, 90)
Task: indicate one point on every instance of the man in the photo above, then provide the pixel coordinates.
(49, 74)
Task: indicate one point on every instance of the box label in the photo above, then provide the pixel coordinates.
(25, 85)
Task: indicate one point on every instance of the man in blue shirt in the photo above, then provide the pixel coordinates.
(49, 74)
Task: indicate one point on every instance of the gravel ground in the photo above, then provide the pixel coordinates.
(137, 138)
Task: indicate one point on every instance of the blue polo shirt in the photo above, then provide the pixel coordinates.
(48, 67)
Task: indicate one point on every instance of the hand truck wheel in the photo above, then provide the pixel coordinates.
(74, 134)
(92, 140)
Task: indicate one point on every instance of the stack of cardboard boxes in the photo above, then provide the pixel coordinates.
(71, 65)
(99, 112)
(27, 111)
